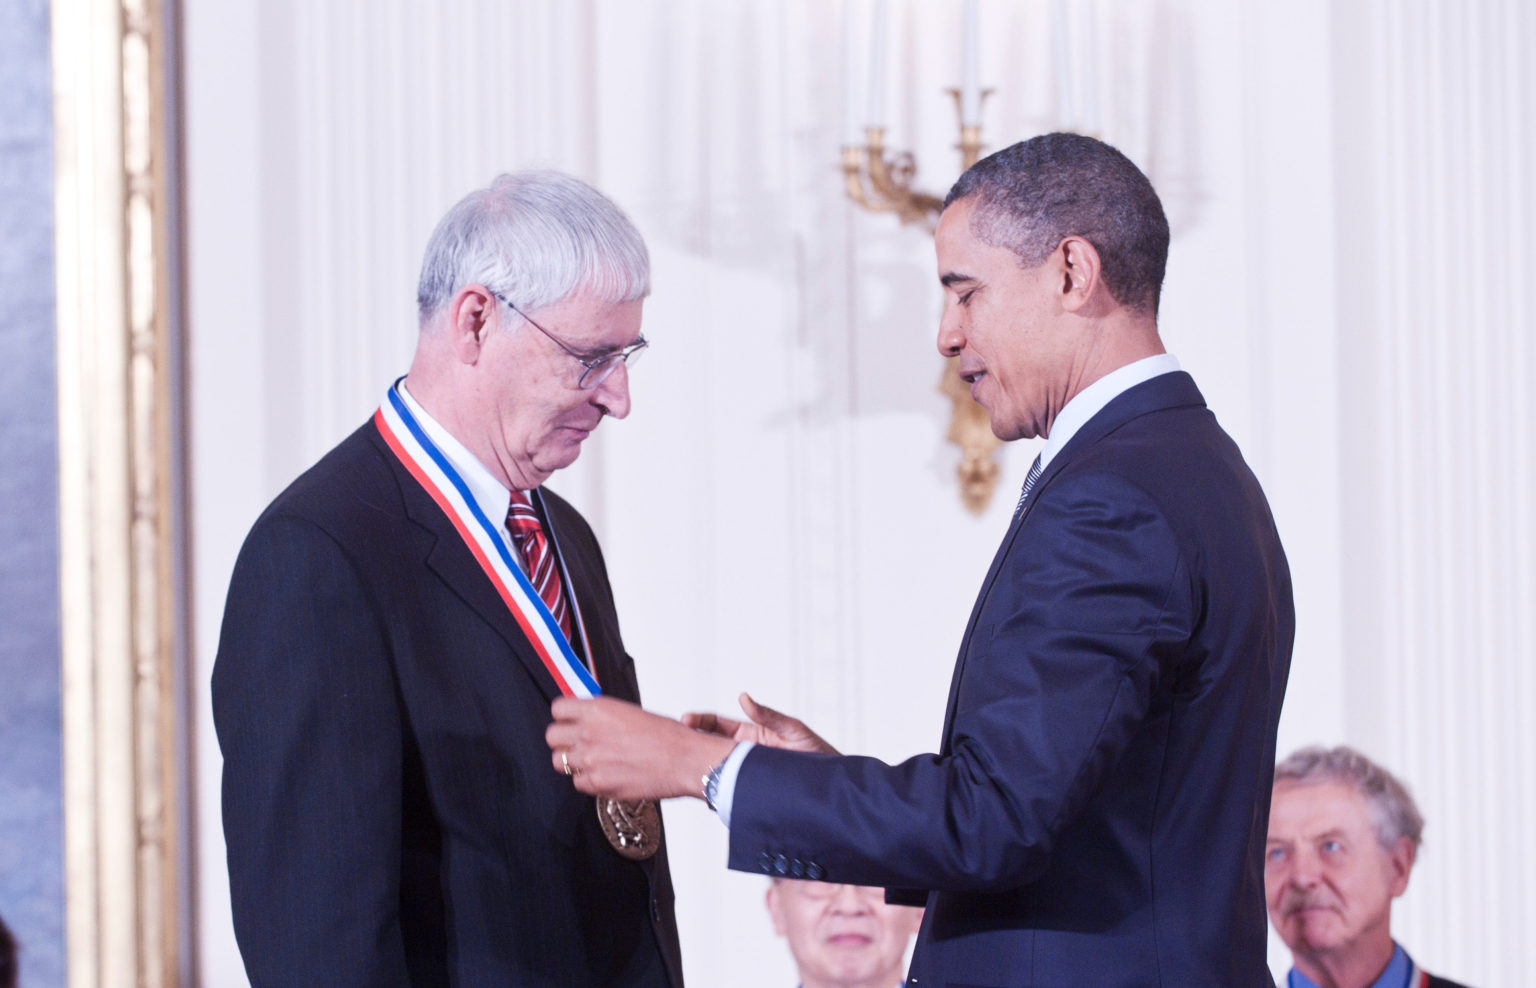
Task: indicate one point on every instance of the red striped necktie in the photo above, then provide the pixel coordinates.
(528, 536)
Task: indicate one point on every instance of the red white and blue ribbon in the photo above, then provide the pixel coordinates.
(440, 480)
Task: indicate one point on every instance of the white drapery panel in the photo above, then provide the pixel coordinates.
(779, 512)
(1437, 147)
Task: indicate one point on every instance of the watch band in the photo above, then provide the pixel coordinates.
(711, 781)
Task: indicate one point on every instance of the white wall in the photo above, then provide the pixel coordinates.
(788, 414)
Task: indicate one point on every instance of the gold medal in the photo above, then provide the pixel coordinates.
(634, 829)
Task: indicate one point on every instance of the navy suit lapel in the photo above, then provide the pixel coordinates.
(1162, 392)
(451, 561)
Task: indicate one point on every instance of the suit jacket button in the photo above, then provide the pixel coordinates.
(781, 864)
(765, 861)
(813, 871)
(656, 911)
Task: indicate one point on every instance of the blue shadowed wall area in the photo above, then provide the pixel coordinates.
(31, 801)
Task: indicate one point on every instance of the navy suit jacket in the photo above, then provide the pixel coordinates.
(391, 813)
(1096, 813)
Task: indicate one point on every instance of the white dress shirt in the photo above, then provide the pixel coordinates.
(489, 495)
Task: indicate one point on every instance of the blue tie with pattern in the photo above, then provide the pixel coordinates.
(1029, 482)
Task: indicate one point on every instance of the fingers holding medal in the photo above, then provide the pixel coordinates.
(612, 748)
(632, 826)
(572, 757)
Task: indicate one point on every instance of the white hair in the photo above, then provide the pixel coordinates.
(1393, 811)
(537, 238)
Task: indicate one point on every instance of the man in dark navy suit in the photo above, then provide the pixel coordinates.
(1095, 814)
(400, 618)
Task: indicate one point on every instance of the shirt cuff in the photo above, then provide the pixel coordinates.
(728, 773)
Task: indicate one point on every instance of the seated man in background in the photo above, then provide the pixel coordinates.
(842, 936)
(1343, 836)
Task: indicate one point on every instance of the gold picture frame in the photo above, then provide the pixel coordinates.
(117, 522)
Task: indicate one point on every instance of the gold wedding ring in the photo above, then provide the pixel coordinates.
(565, 763)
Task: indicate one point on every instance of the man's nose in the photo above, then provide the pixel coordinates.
(852, 900)
(951, 331)
(1304, 870)
(612, 395)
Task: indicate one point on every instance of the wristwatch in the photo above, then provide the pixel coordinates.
(711, 780)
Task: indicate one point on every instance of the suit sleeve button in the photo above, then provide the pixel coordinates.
(814, 871)
(764, 861)
(797, 868)
(781, 864)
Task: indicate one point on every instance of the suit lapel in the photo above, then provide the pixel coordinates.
(1165, 391)
(451, 561)
(587, 586)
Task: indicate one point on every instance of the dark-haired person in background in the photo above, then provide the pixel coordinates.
(1343, 836)
(1095, 814)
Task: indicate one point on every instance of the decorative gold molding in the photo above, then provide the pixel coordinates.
(970, 428)
(117, 531)
(881, 182)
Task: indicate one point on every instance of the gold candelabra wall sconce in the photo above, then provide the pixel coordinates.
(882, 182)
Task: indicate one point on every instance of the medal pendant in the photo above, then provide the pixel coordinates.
(633, 828)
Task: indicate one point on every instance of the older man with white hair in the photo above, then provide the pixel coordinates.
(1343, 837)
(400, 618)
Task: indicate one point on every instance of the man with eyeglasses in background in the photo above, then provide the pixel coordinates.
(400, 618)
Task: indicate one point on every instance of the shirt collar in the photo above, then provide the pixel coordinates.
(489, 494)
(1394, 975)
(1091, 400)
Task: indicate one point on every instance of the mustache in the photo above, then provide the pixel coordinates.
(1292, 902)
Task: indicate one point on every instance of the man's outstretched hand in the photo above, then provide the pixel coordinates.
(764, 725)
(614, 748)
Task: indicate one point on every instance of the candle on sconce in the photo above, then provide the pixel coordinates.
(1088, 48)
(877, 52)
(853, 134)
(1061, 36)
(970, 62)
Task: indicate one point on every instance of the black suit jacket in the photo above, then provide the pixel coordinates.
(1097, 810)
(1439, 982)
(391, 814)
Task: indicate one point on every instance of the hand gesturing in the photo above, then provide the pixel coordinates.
(764, 725)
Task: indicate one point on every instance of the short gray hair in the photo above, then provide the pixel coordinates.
(1393, 811)
(537, 237)
(1033, 195)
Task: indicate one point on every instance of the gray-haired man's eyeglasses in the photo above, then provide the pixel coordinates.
(598, 366)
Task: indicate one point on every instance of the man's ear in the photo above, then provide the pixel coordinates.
(1081, 272)
(470, 314)
(775, 908)
(1400, 861)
